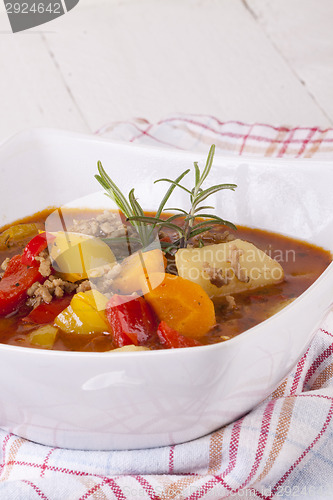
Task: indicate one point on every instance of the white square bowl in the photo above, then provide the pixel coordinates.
(143, 399)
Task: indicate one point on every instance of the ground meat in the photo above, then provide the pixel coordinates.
(45, 263)
(216, 276)
(4, 267)
(240, 273)
(231, 303)
(52, 287)
(85, 286)
(105, 225)
(32, 289)
(104, 277)
(44, 294)
(5, 264)
(58, 292)
(211, 237)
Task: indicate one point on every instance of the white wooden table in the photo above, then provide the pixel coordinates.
(251, 60)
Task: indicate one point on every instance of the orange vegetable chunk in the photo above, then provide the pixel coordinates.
(182, 304)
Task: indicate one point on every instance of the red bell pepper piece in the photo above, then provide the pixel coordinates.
(15, 282)
(35, 247)
(171, 339)
(131, 319)
(47, 313)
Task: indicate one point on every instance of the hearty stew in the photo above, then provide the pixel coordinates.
(87, 280)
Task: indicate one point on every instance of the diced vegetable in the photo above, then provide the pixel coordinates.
(171, 339)
(46, 313)
(94, 298)
(15, 283)
(35, 247)
(85, 314)
(182, 304)
(44, 336)
(16, 234)
(136, 267)
(74, 256)
(228, 268)
(132, 320)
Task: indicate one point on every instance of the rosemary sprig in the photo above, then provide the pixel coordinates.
(133, 211)
(145, 225)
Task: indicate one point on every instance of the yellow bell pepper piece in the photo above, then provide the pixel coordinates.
(74, 256)
(43, 337)
(17, 233)
(136, 267)
(93, 298)
(85, 314)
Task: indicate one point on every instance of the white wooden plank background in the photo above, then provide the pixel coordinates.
(302, 31)
(251, 60)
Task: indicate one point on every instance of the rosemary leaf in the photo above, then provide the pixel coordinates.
(157, 222)
(214, 189)
(113, 191)
(202, 208)
(217, 223)
(213, 218)
(102, 182)
(145, 218)
(174, 183)
(208, 223)
(173, 217)
(199, 231)
(197, 173)
(176, 210)
(169, 191)
(208, 166)
(137, 210)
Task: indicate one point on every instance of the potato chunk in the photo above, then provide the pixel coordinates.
(228, 268)
(136, 268)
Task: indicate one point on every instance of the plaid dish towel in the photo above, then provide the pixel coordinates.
(282, 449)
